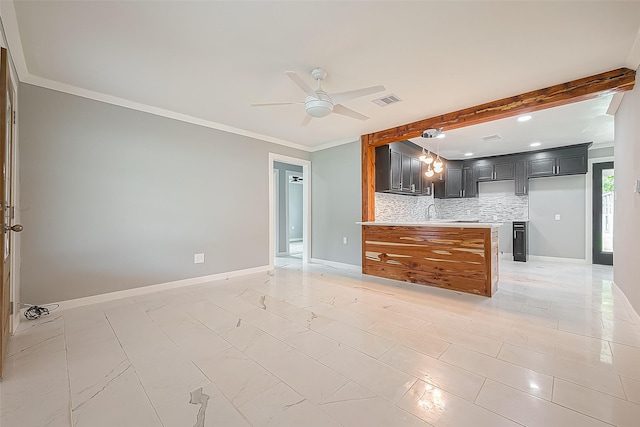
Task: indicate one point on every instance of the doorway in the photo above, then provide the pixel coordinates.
(289, 208)
(603, 203)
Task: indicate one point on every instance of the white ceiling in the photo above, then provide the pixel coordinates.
(206, 62)
(585, 121)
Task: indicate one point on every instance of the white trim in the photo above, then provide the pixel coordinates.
(111, 296)
(276, 208)
(557, 259)
(341, 265)
(121, 102)
(306, 204)
(588, 244)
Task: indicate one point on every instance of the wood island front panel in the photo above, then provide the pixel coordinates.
(456, 258)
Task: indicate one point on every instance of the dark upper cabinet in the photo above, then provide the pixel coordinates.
(483, 171)
(416, 175)
(469, 185)
(398, 169)
(563, 161)
(521, 179)
(395, 171)
(457, 181)
(494, 169)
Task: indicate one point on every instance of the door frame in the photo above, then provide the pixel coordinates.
(594, 205)
(588, 211)
(306, 205)
(603, 258)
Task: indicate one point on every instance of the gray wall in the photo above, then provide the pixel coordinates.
(295, 211)
(113, 198)
(281, 239)
(626, 221)
(337, 204)
(564, 195)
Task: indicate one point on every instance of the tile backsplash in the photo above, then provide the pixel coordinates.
(494, 199)
(395, 207)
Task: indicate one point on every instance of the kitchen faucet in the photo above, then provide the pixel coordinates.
(434, 209)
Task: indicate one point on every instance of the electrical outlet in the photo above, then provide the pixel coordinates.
(468, 211)
(557, 217)
(495, 217)
(198, 258)
(344, 240)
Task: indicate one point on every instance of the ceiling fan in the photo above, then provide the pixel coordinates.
(319, 103)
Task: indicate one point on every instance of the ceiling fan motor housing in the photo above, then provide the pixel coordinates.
(321, 106)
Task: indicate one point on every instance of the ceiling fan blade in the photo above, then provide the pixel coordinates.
(340, 97)
(266, 104)
(301, 83)
(306, 120)
(341, 109)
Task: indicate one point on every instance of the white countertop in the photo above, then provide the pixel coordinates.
(436, 223)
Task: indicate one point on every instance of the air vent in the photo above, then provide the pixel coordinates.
(492, 138)
(387, 100)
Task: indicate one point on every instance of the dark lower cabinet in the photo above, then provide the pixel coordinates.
(520, 241)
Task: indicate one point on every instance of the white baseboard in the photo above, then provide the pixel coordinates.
(95, 299)
(344, 266)
(557, 259)
(509, 256)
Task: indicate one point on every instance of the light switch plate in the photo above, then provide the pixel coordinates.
(557, 218)
(198, 258)
(637, 185)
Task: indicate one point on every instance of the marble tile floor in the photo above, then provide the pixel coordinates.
(310, 345)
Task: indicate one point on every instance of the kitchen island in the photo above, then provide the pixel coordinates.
(456, 255)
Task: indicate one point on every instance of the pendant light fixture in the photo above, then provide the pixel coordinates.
(437, 165)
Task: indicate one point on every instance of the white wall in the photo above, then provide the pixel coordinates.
(626, 228)
(115, 199)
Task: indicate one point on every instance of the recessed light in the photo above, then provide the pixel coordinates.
(534, 144)
(468, 154)
(524, 118)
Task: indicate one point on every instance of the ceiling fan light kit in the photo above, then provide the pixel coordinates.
(319, 103)
(318, 107)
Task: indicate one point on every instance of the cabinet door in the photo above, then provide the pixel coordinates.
(519, 245)
(541, 167)
(416, 176)
(571, 165)
(503, 171)
(406, 173)
(470, 185)
(522, 182)
(396, 171)
(453, 184)
(484, 172)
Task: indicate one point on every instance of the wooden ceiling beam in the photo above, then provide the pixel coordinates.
(610, 82)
